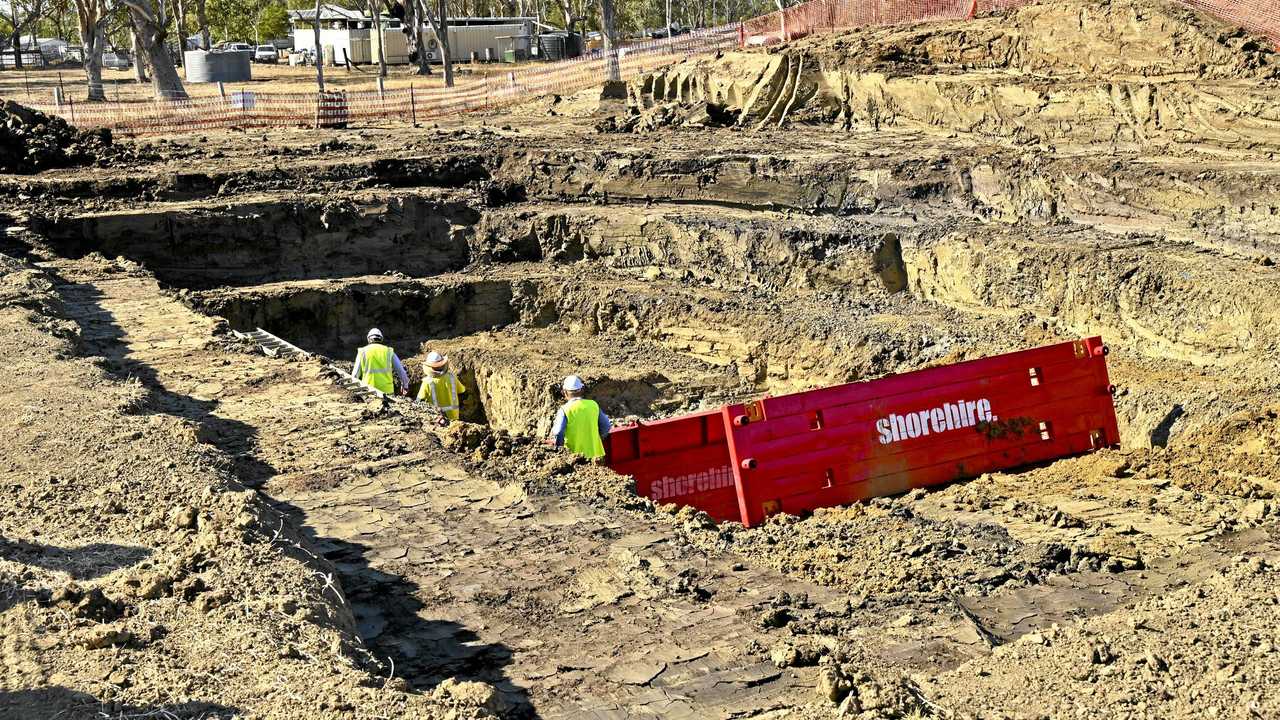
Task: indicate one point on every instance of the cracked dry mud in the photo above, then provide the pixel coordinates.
(191, 527)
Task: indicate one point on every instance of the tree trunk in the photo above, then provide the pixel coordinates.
(315, 25)
(139, 67)
(202, 20)
(150, 28)
(91, 19)
(17, 42)
(179, 28)
(440, 23)
(610, 21)
(413, 28)
(375, 11)
(446, 52)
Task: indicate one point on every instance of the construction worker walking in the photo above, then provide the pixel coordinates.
(580, 425)
(375, 363)
(440, 385)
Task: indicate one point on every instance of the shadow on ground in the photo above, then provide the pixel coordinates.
(387, 607)
(85, 562)
(65, 704)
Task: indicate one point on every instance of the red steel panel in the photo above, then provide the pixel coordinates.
(682, 460)
(837, 445)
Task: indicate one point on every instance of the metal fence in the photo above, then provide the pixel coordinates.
(250, 108)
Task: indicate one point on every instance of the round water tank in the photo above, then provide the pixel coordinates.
(217, 66)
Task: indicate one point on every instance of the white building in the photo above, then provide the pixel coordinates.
(346, 35)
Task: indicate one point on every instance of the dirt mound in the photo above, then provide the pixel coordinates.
(1096, 39)
(1201, 651)
(1123, 71)
(692, 115)
(31, 141)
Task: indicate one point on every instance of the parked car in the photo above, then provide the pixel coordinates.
(116, 60)
(266, 54)
(240, 47)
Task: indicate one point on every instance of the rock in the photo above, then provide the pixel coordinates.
(775, 618)
(833, 685)
(95, 605)
(1100, 654)
(850, 708)
(1155, 662)
(182, 518)
(67, 595)
(471, 694)
(103, 636)
(1256, 511)
(799, 655)
(904, 621)
(155, 586)
(212, 600)
(784, 655)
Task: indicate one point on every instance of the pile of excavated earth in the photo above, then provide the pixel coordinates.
(31, 141)
(195, 525)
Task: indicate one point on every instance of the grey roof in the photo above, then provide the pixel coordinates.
(328, 12)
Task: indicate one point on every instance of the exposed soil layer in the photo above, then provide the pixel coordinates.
(193, 527)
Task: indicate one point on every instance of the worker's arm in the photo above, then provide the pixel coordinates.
(423, 389)
(400, 373)
(557, 428)
(605, 425)
(355, 369)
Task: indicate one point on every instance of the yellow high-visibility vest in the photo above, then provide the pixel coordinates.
(376, 368)
(582, 428)
(443, 391)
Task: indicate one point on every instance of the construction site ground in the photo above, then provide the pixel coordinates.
(192, 527)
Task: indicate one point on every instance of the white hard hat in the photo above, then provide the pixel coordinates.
(435, 360)
(573, 383)
(374, 333)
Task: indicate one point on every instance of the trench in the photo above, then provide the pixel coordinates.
(667, 308)
(675, 307)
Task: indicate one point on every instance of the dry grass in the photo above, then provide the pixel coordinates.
(38, 85)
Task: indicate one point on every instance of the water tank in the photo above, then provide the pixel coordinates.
(552, 45)
(217, 66)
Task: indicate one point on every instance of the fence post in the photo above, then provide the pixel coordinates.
(57, 97)
(413, 107)
(742, 35)
(222, 91)
(73, 112)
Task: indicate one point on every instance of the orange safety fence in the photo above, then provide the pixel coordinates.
(250, 108)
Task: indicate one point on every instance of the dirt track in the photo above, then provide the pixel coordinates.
(264, 542)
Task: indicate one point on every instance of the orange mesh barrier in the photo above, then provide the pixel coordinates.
(249, 108)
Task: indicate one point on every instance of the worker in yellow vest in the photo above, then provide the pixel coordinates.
(375, 364)
(580, 425)
(440, 385)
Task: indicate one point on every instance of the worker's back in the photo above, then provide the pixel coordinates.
(376, 368)
(582, 428)
(443, 392)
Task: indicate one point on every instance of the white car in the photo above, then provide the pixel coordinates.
(239, 47)
(116, 60)
(266, 54)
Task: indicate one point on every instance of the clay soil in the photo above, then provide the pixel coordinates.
(193, 527)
